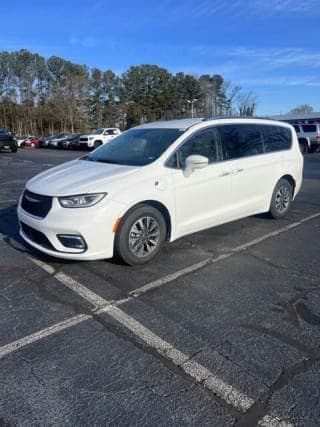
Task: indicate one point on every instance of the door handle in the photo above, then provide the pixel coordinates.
(237, 171)
(225, 174)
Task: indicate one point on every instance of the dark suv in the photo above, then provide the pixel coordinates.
(7, 142)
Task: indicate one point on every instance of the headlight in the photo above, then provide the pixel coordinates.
(81, 200)
(91, 138)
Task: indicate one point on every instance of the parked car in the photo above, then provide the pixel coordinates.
(33, 142)
(69, 140)
(45, 140)
(308, 136)
(54, 142)
(158, 182)
(7, 142)
(98, 137)
(20, 140)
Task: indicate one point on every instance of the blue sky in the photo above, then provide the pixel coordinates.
(270, 47)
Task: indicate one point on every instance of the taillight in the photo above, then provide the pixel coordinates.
(318, 138)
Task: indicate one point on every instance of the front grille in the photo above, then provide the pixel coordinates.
(36, 236)
(35, 204)
(83, 139)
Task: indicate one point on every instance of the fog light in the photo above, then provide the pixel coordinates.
(72, 241)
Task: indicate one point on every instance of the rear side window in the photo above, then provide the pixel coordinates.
(296, 128)
(309, 128)
(240, 141)
(276, 138)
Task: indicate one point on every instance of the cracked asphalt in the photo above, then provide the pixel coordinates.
(236, 305)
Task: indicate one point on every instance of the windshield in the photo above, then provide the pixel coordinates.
(136, 147)
(97, 131)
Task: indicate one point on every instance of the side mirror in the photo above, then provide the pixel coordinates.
(193, 162)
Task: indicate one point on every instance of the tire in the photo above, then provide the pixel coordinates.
(132, 244)
(303, 147)
(281, 199)
(14, 149)
(96, 144)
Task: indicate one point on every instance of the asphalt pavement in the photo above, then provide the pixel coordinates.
(222, 329)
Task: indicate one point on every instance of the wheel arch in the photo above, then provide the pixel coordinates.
(291, 180)
(160, 207)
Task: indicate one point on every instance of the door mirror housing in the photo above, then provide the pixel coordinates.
(193, 162)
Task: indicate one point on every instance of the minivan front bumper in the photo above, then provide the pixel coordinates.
(93, 225)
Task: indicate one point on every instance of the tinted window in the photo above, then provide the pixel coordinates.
(276, 138)
(240, 141)
(309, 128)
(204, 143)
(136, 147)
(296, 128)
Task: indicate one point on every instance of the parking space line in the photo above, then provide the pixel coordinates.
(9, 201)
(198, 372)
(81, 290)
(37, 336)
(170, 278)
(270, 421)
(46, 267)
(194, 267)
(275, 233)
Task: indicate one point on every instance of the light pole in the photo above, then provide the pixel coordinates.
(192, 101)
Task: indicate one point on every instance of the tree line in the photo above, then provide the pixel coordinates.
(46, 96)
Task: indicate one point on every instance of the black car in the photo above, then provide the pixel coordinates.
(69, 140)
(7, 142)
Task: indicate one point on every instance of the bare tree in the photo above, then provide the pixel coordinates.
(246, 103)
(302, 109)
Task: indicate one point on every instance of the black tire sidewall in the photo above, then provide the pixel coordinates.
(273, 211)
(122, 236)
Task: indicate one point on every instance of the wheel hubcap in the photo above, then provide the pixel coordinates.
(282, 199)
(144, 236)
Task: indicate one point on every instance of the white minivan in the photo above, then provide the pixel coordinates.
(158, 182)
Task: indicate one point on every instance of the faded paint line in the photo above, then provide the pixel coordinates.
(81, 290)
(46, 267)
(37, 336)
(192, 268)
(198, 372)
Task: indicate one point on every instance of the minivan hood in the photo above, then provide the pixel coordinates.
(78, 177)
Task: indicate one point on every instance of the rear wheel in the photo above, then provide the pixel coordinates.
(281, 199)
(141, 235)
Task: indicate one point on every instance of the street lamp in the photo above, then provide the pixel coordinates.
(192, 101)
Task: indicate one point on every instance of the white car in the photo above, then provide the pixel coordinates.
(158, 182)
(98, 137)
(308, 136)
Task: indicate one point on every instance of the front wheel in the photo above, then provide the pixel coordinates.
(303, 147)
(141, 235)
(281, 199)
(97, 144)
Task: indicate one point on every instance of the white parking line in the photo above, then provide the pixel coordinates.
(275, 233)
(9, 201)
(171, 277)
(270, 421)
(194, 267)
(46, 267)
(37, 336)
(81, 290)
(195, 370)
(198, 372)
